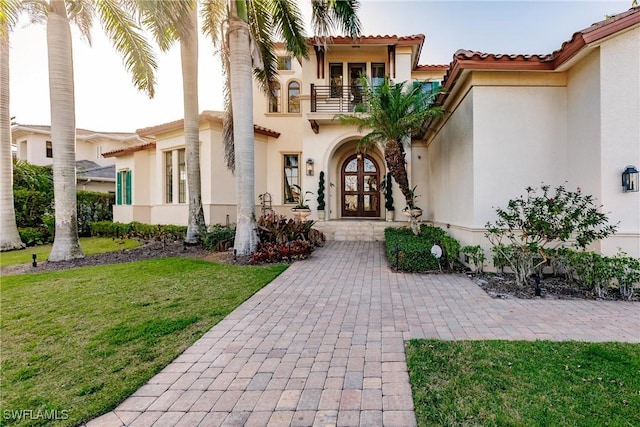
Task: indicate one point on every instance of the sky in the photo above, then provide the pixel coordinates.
(106, 100)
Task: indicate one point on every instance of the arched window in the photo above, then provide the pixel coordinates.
(274, 103)
(294, 97)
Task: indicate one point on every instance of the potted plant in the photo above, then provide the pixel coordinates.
(320, 198)
(301, 210)
(388, 197)
(412, 209)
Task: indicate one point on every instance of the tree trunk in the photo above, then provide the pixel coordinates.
(66, 245)
(9, 236)
(246, 240)
(189, 56)
(394, 156)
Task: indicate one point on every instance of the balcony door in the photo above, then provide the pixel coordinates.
(355, 71)
(360, 179)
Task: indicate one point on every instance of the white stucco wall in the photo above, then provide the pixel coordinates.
(519, 140)
(449, 185)
(620, 144)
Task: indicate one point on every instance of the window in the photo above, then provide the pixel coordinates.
(428, 86)
(168, 176)
(49, 150)
(182, 177)
(284, 63)
(377, 74)
(335, 74)
(291, 178)
(274, 103)
(123, 187)
(294, 97)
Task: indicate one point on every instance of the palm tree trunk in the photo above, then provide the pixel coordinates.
(66, 245)
(189, 56)
(9, 236)
(246, 240)
(394, 156)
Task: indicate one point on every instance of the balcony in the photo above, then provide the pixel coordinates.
(335, 99)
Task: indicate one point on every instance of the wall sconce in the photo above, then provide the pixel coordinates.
(310, 167)
(630, 179)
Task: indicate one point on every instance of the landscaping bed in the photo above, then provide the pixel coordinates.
(505, 286)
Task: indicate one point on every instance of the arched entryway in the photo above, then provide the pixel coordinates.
(360, 185)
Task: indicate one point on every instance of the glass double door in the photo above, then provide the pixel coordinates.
(360, 178)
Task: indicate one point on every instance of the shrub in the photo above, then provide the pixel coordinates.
(476, 256)
(219, 237)
(33, 236)
(408, 252)
(320, 198)
(139, 230)
(93, 207)
(388, 193)
(276, 252)
(283, 238)
(530, 224)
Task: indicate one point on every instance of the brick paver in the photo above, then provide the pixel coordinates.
(323, 344)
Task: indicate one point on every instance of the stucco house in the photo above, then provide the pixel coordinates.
(569, 117)
(94, 172)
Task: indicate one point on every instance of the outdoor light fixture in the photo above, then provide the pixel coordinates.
(310, 167)
(630, 179)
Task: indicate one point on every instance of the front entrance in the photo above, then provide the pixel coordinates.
(360, 177)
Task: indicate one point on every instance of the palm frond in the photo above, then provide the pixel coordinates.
(166, 20)
(128, 40)
(9, 15)
(287, 21)
(214, 13)
(329, 15)
(81, 13)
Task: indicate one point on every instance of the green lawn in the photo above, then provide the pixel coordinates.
(516, 383)
(80, 341)
(90, 245)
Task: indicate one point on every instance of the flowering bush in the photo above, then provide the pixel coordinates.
(542, 219)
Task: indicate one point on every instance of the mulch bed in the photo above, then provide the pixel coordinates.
(143, 252)
(504, 286)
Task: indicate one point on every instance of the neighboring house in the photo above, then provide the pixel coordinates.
(33, 144)
(512, 121)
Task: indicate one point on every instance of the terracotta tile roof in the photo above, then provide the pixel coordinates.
(465, 59)
(375, 39)
(431, 67)
(129, 150)
(81, 134)
(213, 116)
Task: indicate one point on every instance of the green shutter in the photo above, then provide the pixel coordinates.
(128, 188)
(118, 188)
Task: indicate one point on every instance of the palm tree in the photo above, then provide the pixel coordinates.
(168, 21)
(126, 37)
(394, 111)
(247, 41)
(9, 236)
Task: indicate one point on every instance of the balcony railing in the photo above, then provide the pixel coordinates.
(335, 99)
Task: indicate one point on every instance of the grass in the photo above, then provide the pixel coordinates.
(90, 245)
(517, 383)
(80, 341)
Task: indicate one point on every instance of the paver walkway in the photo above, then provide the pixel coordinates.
(323, 344)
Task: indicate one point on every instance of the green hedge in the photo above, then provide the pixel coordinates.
(93, 207)
(138, 230)
(408, 252)
(219, 237)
